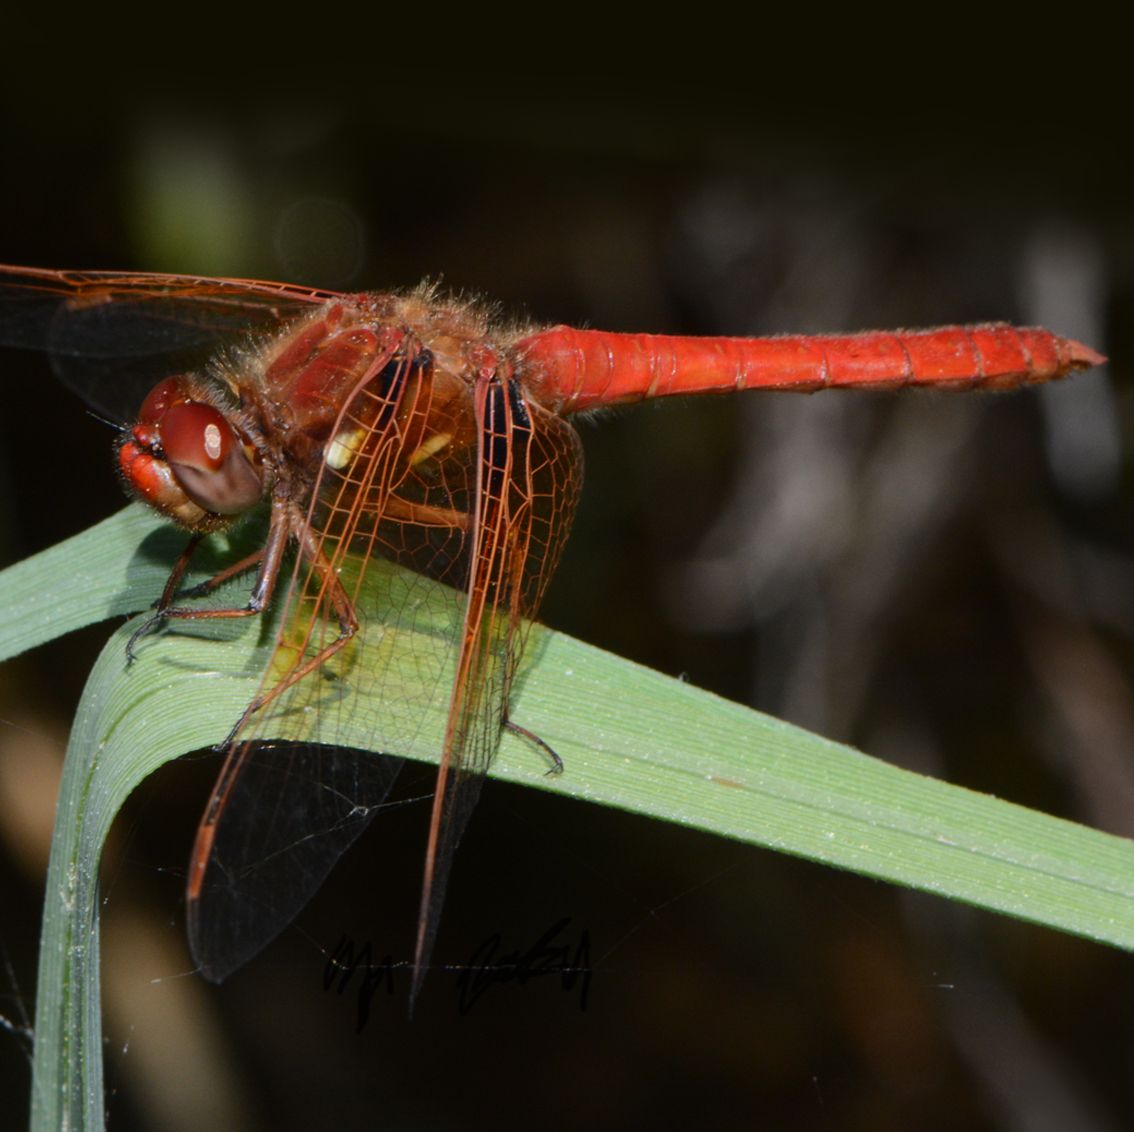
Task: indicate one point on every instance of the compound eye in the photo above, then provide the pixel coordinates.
(196, 435)
(158, 400)
(206, 456)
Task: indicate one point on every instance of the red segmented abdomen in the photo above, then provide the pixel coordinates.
(573, 370)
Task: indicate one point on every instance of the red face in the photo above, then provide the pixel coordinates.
(185, 458)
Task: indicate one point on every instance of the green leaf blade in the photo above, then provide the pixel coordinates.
(629, 738)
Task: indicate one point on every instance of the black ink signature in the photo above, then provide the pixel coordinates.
(344, 962)
(544, 957)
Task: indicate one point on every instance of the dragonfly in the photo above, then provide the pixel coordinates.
(406, 428)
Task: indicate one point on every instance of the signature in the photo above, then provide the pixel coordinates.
(350, 967)
(546, 956)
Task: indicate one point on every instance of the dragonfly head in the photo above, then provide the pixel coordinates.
(185, 458)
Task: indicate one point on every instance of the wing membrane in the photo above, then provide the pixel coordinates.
(113, 335)
(301, 807)
(528, 477)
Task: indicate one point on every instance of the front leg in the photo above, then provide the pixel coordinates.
(269, 558)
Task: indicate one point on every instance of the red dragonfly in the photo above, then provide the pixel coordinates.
(409, 427)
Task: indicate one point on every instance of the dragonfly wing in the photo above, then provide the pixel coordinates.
(528, 475)
(294, 809)
(111, 335)
(283, 812)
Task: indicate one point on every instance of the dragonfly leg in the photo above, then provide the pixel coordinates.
(531, 737)
(269, 559)
(218, 580)
(343, 608)
(168, 593)
(424, 514)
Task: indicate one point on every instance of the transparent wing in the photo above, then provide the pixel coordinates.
(529, 471)
(275, 826)
(112, 335)
(293, 809)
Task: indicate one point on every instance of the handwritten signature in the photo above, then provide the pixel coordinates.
(350, 965)
(545, 957)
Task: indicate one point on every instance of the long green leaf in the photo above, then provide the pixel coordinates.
(644, 743)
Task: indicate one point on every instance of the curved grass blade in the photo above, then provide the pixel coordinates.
(645, 743)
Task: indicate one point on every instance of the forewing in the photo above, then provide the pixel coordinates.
(112, 335)
(263, 850)
(528, 474)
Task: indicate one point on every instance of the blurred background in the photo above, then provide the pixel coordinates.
(944, 582)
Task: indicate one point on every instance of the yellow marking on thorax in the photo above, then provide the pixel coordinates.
(430, 447)
(344, 447)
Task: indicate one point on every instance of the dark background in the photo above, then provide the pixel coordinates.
(943, 582)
